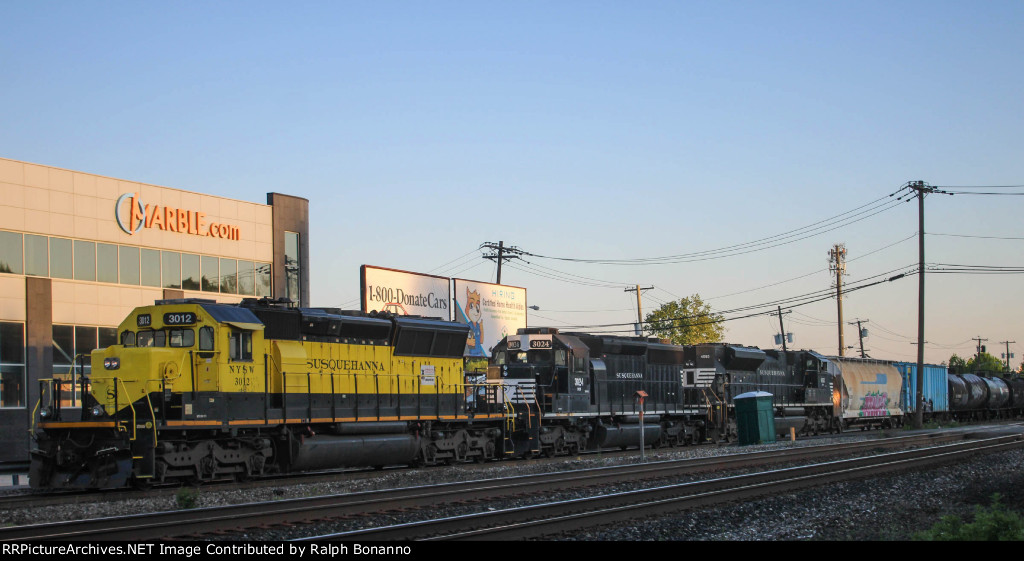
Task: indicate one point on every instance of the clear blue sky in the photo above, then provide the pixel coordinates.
(419, 130)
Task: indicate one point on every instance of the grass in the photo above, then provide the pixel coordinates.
(993, 523)
(187, 497)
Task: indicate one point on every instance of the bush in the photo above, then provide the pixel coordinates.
(993, 523)
(187, 497)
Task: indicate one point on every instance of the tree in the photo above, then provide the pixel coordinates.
(957, 365)
(985, 363)
(686, 321)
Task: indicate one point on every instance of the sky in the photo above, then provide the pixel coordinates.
(574, 130)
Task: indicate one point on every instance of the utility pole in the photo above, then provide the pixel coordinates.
(922, 189)
(639, 312)
(980, 348)
(782, 330)
(860, 333)
(1008, 355)
(837, 265)
(502, 254)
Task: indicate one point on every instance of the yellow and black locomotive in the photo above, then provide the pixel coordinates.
(197, 390)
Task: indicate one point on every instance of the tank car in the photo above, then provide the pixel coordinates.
(197, 390)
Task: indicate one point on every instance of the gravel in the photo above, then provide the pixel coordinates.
(890, 508)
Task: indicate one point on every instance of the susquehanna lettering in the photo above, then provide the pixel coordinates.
(333, 364)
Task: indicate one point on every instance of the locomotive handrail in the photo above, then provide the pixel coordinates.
(130, 405)
(42, 386)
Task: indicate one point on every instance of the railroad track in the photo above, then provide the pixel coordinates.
(197, 522)
(542, 520)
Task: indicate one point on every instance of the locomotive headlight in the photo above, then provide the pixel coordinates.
(111, 363)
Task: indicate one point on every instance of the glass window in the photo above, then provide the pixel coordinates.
(10, 253)
(292, 266)
(189, 271)
(85, 260)
(106, 262)
(12, 343)
(128, 338)
(150, 267)
(181, 338)
(172, 269)
(85, 341)
(63, 362)
(128, 264)
(263, 279)
(60, 259)
(228, 282)
(37, 256)
(12, 364)
(240, 345)
(246, 280)
(12, 385)
(211, 274)
(152, 339)
(63, 344)
(206, 338)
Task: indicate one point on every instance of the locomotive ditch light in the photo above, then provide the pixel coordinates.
(97, 411)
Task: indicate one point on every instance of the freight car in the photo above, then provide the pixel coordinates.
(870, 392)
(963, 397)
(197, 390)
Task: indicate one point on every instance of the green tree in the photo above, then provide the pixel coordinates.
(957, 365)
(985, 363)
(686, 321)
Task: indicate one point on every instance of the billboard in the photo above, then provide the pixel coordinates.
(404, 293)
(492, 311)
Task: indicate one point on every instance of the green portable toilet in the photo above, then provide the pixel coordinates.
(755, 418)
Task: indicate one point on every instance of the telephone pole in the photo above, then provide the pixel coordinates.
(639, 311)
(837, 265)
(1008, 355)
(980, 348)
(782, 329)
(922, 189)
(501, 254)
(861, 332)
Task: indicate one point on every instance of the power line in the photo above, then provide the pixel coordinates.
(862, 212)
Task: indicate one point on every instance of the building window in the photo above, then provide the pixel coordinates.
(228, 280)
(37, 256)
(263, 277)
(10, 253)
(292, 267)
(85, 260)
(128, 264)
(64, 258)
(189, 271)
(106, 262)
(246, 278)
(61, 261)
(72, 351)
(150, 267)
(12, 365)
(211, 274)
(172, 269)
